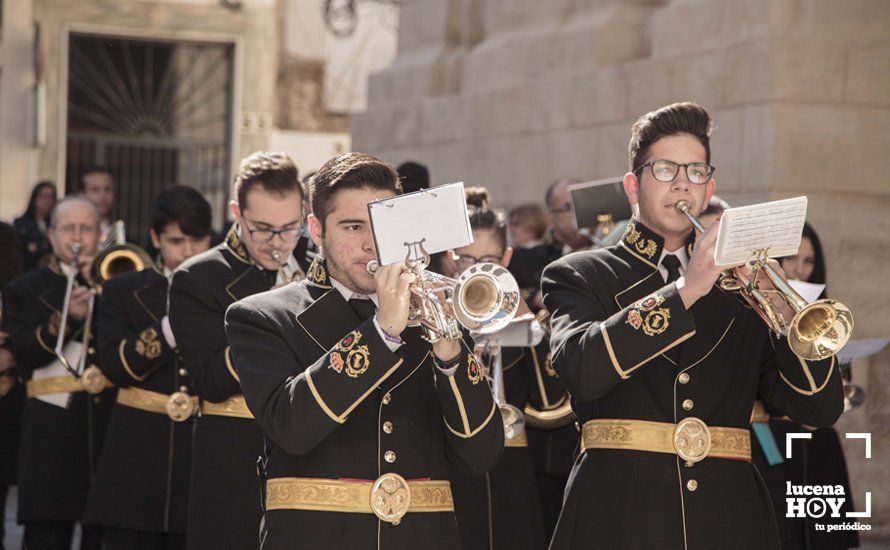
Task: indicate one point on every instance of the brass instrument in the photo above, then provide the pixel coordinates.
(297, 275)
(483, 299)
(514, 420)
(559, 416)
(115, 257)
(818, 330)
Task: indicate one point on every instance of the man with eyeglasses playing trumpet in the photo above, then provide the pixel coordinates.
(361, 415)
(140, 492)
(260, 251)
(664, 367)
(64, 420)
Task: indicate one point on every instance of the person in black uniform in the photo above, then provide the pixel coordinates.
(12, 394)
(360, 414)
(224, 496)
(140, 493)
(502, 509)
(64, 421)
(34, 223)
(664, 367)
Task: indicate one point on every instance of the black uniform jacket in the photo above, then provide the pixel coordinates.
(59, 447)
(224, 501)
(142, 479)
(326, 389)
(626, 348)
(502, 509)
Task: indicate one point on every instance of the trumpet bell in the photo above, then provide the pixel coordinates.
(118, 259)
(486, 297)
(820, 329)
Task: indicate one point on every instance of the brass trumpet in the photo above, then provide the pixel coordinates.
(483, 299)
(295, 277)
(818, 330)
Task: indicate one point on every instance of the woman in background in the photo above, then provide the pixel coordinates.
(32, 225)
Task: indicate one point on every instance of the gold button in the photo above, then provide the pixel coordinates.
(387, 427)
(389, 456)
(692, 485)
(91, 350)
(183, 389)
(97, 400)
(183, 372)
(386, 399)
(688, 404)
(684, 378)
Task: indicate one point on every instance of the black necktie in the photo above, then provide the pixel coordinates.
(672, 264)
(364, 308)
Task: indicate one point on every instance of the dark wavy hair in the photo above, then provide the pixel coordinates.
(32, 202)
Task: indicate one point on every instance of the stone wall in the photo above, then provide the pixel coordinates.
(513, 94)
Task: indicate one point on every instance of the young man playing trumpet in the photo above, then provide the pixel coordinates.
(361, 416)
(224, 495)
(664, 367)
(63, 424)
(140, 493)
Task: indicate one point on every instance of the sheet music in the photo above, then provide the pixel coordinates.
(438, 215)
(808, 291)
(776, 226)
(71, 351)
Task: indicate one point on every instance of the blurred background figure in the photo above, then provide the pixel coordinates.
(414, 176)
(32, 225)
(527, 225)
(559, 205)
(712, 213)
(97, 186)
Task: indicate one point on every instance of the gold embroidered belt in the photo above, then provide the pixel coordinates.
(389, 497)
(92, 381)
(179, 406)
(234, 407)
(520, 440)
(691, 439)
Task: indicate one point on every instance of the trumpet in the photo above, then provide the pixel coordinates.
(483, 299)
(115, 257)
(818, 330)
(295, 277)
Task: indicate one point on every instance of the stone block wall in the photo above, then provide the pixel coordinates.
(512, 94)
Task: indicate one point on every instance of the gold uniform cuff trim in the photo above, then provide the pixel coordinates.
(352, 496)
(324, 406)
(608, 341)
(460, 405)
(229, 365)
(806, 369)
(126, 365)
(468, 435)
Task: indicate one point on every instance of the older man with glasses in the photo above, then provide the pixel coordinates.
(261, 251)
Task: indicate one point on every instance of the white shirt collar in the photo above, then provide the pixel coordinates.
(67, 269)
(681, 255)
(349, 294)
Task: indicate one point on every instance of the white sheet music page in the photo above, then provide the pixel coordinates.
(436, 216)
(776, 226)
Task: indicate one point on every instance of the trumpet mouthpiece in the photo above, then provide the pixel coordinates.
(372, 267)
(682, 207)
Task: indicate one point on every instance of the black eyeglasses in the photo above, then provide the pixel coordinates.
(466, 260)
(698, 173)
(289, 235)
(567, 207)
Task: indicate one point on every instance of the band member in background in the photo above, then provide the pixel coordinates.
(657, 358)
(97, 186)
(12, 394)
(358, 410)
(34, 223)
(716, 207)
(817, 461)
(140, 493)
(224, 496)
(63, 426)
(502, 509)
(559, 206)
